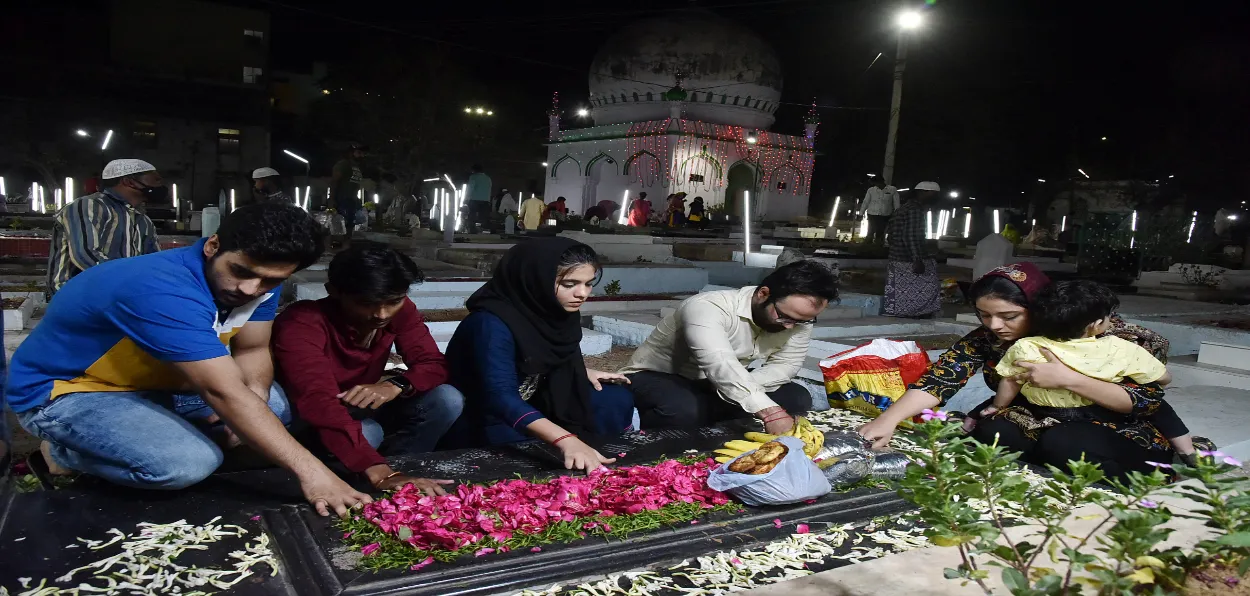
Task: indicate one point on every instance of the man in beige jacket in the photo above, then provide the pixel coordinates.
(692, 370)
(531, 214)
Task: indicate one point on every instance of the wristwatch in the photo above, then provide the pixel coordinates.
(405, 388)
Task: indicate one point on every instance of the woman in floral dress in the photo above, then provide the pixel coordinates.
(1120, 431)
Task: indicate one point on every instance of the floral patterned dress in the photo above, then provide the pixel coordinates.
(981, 350)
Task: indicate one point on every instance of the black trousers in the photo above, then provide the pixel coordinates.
(1165, 418)
(1168, 421)
(1115, 454)
(673, 401)
(479, 213)
(876, 228)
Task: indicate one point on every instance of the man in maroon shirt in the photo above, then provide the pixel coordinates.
(331, 356)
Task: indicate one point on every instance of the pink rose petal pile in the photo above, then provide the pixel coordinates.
(512, 507)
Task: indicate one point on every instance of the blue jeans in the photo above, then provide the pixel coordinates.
(412, 424)
(141, 439)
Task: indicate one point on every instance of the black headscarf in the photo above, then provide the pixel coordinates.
(548, 339)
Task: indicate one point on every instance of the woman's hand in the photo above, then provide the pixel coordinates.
(383, 477)
(879, 431)
(1052, 374)
(598, 377)
(580, 456)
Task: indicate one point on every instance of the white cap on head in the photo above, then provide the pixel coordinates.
(126, 167)
(928, 185)
(259, 173)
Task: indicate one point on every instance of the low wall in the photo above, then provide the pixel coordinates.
(732, 274)
(653, 279)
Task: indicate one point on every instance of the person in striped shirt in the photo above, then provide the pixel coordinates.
(106, 225)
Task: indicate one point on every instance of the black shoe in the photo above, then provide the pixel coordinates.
(39, 468)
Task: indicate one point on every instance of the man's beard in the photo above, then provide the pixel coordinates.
(759, 314)
(221, 297)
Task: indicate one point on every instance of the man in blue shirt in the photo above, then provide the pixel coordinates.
(478, 199)
(104, 378)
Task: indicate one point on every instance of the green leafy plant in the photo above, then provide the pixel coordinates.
(612, 288)
(969, 493)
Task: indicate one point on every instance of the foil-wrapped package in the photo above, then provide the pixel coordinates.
(890, 465)
(849, 469)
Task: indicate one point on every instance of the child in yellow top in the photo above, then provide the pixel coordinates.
(1070, 317)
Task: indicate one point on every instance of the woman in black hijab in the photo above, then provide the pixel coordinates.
(518, 360)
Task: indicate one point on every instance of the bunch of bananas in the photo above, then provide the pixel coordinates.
(803, 430)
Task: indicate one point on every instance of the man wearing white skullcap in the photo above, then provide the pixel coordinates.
(267, 186)
(106, 225)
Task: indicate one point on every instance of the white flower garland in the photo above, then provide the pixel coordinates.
(146, 565)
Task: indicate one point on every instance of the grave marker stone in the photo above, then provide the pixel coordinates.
(992, 251)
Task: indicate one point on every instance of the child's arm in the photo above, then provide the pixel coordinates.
(1008, 389)
(1145, 368)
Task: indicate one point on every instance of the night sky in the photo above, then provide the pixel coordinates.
(998, 93)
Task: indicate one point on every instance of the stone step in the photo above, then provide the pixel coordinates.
(1212, 410)
(833, 312)
(1187, 371)
(593, 343)
(1225, 355)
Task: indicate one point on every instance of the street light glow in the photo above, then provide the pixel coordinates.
(1104, 138)
(582, 112)
(480, 110)
(954, 194)
(1041, 180)
(620, 220)
(910, 19)
(544, 164)
(82, 133)
(746, 224)
(288, 152)
(108, 137)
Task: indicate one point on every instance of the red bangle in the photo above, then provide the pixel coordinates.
(777, 417)
(563, 438)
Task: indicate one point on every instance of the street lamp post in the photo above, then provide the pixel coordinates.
(906, 22)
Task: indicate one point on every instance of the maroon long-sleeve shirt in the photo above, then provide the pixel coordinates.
(317, 358)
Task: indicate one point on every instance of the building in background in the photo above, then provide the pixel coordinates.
(684, 103)
(180, 83)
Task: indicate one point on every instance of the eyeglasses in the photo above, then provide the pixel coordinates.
(784, 319)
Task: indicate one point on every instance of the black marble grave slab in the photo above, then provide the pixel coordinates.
(36, 528)
(319, 564)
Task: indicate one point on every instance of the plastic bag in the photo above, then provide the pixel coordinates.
(795, 479)
(868, 378)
